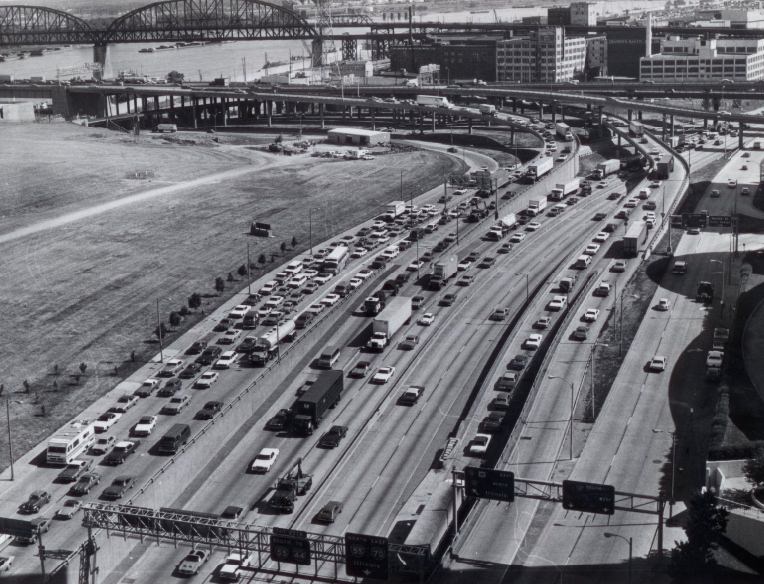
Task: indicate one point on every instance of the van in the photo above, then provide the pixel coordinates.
(173, 439)
(297, 281)
(582, 262)
(294, 267)
(328, 357)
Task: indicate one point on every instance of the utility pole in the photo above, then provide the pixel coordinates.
(10, 436)
(159, 334)
(249, 279)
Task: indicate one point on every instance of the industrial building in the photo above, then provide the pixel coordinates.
(358, 137)
(544, 56)
(577, 14)
(701, 59)
(17, 111)
(459, 57)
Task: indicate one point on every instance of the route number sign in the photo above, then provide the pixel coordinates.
(588, 497)
(290, 546)
(366, 556)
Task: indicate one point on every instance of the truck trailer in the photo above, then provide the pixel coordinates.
(442, 271)
(433, 101)
(395, 208)
(635, 236)
(389, 322)
(636, 129)
(562, 190)
(499, 230)
(563, 131)
(540, 167)
(266, 346)
(308, 410)
(607, 167)
(664, 166)
(487, 109)
(536, 206)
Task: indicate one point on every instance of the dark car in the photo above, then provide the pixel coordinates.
(223, 325)
(333, 437)
(500, 402)
(329, 512)
(360, 369)
(196, 348)
(232, 512)
(599, 216)
(491, 423)
(121, 451)
(613, 196)
(247, 345)
(85, 483)
(278, 422)
(190, 371)
(170, 387)
(36, 501)
(73, 470)
(447, 300)
(581, 333)
(487, 262)
(209, 410)
(118, 487)
(209, 355)
(518, 363)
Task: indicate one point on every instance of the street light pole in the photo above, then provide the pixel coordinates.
(249, 280)
(310, 230)
(572, 402)
(10, 443)
(724, 283)
(627, 540)
(159, 334)
(672, 500)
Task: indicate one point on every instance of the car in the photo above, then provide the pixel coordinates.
(591, 314)
(415, 265)
(556, 303)
(279, 422)
(263, 462)
(171, 387)
(330, 299)
(190, 565)
(650, 206)
(499, 314)
(518, 362)
(465, 280)
(226, 361)
(209, 410)
(105, 421)
(532, 226)
(744, 167)
(542, 323)
(6, 562)
(581, 333)
(693, 231)
(206, 380)
(732, 183)
(411, 395)
(487, 262)
(329, 512)
(359, 252)
(592, 249)
(274, 317)
(447, 300)
(86, 482)
(618, 267)
(715, 359)
(171, 368)
(601, 237)
(120, 452)
(230, 336)
(479, 445)
(383, 375)
(145, 426)
(505, 248)
(176, 405)
(500, 402)
(322, 279)
(119, 486)
(715, 194)
(73, 470)
(533, 341)
(69, 508)
(209, 355)
(655, 184)
(463, 265)
(409, 342)
(416, 302)
(196, 347)
(603, 289)
(147, 387)
(39, 525)
(426, 319)
(222, 325)
(611, 197)
(332, 437)
(364, 274)
(663, 304)
(190, 371)
(103, 445)
(630, 204)
(657, 363)
(124, 403)
(231, 569)
(491, 423)
(517, 237)
(355, 283)
(745, 191)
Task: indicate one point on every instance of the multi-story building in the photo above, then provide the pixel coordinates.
(751, 16)
(699, 59)
(596, 56)
(544, 56)
(458, 57)
(577, 14)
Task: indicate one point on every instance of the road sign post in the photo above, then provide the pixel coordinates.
(488, 483)
(366, 556)
(290, 546)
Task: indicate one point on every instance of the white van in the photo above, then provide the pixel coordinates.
(297, 281)
(294, 267)
(582, 262)
(328, 357)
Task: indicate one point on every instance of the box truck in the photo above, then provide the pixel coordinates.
(487, 109)
(433, 101)
(499, 230)
(607, 167)
(308, 410)
(540, 167)
(388, 322)
(442, 271)
(562, 190)
(563, 131)
(635, 236)
(536, 206)
(396, 208)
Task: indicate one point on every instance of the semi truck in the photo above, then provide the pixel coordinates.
(389, 322)
(536, 206)
(487, 109)
(636, 129)
(635, 236)
(664, 166)
(562, 190)
(395, 208)
(606, 168)
(705, 293)
(374, 303)
(540, 167)
(563, 131)
(266, 346)
(499, 230)
(433, 101)
(308, 410)
(442, 271)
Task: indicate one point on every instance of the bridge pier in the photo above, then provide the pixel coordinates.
(599, 115)
(101, 56)
(373, 120)
(469, 126)
(541, 111)
(195, 113)
(639, 115)
(554, 112)
(629, 113)
(663, 128)
(740, 135)
(269, 108)
(316, 52)
(671, 125)
(433, 122)
(321, 113)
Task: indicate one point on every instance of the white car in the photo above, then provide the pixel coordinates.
(262, 313)
(533, 342)
(517, 237)
(463, 265)
(415, 265)
(275, 301)
(145, 426)
(264, 461)
(663, 304)
(364, 274)
(592, 249)
(330, 299)
(426, 319)
(147, 387)
(322, 279)
(732, 183)
(124, 403)
(591, 314)
(231, 570)
(226, 361)
(532, 226)
(310, 273)
(657, 363)
(106, 421)
(229, 337)
(354, 283)
(359, 252)
(191, 564)
(601, 237)
(268, 287)
(383, 375)
(479, 444)
(206, 380)
(239, 311)
(6, 562)
(557, 303)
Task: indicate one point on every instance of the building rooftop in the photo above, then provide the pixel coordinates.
(356, 131)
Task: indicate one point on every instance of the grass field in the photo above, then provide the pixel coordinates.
(87, 251)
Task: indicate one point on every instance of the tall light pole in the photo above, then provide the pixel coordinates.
(310, 230)
(10, 435)
(672, 500)
(159, 335)
(249, 279)
(724, 283)
(627, 540)
(572, 400)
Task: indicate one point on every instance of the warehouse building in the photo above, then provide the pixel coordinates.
(358, 137)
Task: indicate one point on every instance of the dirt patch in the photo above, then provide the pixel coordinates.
(85, 291)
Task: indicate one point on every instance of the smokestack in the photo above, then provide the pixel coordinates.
(649, 35)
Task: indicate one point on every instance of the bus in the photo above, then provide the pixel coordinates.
(67, 444)
(336, 260)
